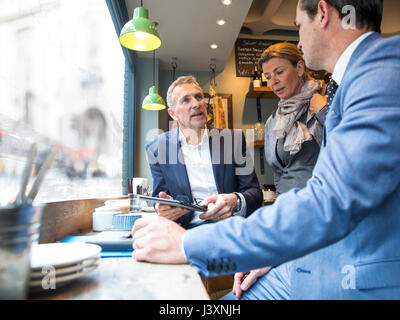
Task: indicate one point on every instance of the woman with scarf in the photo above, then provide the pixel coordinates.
(293, 133)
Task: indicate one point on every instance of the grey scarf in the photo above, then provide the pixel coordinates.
(289, 112)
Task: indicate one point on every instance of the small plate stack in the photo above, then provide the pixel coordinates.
(56, 264)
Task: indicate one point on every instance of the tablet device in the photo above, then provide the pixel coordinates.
(174, 203)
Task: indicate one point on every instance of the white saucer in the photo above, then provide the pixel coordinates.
(107, 209)
(117, 203)
(36, 275)
(61, 254)
(148, 209)
(62, 280)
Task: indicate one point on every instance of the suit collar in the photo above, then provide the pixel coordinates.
(217, 165)
(360, 49)
(341, 65)
(182, 138)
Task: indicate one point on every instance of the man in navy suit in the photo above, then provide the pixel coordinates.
(194, 164)
(342, 231)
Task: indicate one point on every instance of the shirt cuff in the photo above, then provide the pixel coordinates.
(243, 210)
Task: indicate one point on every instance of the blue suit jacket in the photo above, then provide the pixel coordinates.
(345, 224)
(169, 171)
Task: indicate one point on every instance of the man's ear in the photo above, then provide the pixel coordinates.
(324, 13)
(301, 68)
(172, 113)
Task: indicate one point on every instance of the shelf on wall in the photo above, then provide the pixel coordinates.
(259, 144)
(261, 92)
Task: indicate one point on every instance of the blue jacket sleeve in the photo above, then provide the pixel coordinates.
(357, 174)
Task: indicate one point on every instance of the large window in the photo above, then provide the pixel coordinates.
(61, 85)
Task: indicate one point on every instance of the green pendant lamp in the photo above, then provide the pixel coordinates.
(153, 100)
(139, 33)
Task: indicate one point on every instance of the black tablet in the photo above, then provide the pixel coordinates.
(174, 203)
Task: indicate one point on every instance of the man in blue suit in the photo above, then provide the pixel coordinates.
(343, 229)
(194, 164)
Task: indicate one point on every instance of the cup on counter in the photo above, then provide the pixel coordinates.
(136, 186)
(19, 228)
(134, 183)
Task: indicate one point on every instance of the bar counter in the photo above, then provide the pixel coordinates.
(126, 279)
(115, 277)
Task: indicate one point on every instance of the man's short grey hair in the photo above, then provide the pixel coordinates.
(181, 80)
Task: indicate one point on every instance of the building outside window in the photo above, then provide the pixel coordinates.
(61, 85)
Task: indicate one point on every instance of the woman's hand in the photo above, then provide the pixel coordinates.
(317, 103)
(243, 281)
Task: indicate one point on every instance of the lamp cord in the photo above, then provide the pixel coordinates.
(212, 78)
(174, 65)
(154, 67)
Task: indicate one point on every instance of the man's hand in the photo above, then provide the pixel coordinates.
(169, 212)
(224, 205)
(158, 240)
(317, 103)
(243, 281)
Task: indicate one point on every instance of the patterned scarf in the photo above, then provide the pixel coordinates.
(289, 112)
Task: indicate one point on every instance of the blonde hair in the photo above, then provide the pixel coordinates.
(284, 50)
(181, 80)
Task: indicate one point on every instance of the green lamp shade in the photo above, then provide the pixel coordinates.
(139, 33)
(153, 100)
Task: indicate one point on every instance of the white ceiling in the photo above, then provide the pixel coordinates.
(188, 27)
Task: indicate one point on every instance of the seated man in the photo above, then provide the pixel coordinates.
(197, 165)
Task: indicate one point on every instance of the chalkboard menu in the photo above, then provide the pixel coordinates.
(248, 52)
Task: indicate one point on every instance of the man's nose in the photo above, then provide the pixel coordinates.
(299, 46)
(195, 103)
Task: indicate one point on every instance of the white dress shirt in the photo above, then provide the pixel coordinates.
(200, 173)
(344, 59)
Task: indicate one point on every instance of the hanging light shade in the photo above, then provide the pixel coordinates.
(153, 100)
(140, 33)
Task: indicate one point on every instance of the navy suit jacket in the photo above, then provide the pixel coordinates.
(344, 226)
(169, 171)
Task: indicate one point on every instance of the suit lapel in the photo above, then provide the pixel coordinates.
(179, 168)
(217, 164)
(335, 112)
(366, 43)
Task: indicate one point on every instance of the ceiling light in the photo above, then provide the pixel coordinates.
(221, 22)
(140, 33)
(226, 2)
(213, 46)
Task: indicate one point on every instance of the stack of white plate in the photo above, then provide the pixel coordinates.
(56, 264)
